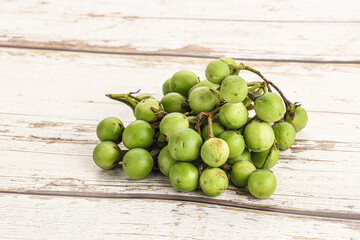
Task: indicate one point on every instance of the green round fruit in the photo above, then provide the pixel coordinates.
(244, 156)
(138, 134)
(234, 89)
(231, 63)
(233, 115)
(110, 129)
(172, 122)
(259, 136)
(269, 107)
(106, 155)
(206, 83)
(182, 81)
(216, 71)
(202, 99)
(184, 177)
(166, 88)
(262, 183)
(137, 163)
(184, 144)
(143, 96)
(285, 134)
(174, 102)
(266, 159)
(217, 129)
(235, 141)
(213, 181)
(240, 173)
(165, 161)
(143, 109)
(214, 152)
(300, 119)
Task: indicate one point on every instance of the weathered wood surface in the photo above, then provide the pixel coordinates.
(270, 30)
(51, 101)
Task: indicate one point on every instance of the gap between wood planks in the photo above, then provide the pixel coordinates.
(325, 215)
(81, 48)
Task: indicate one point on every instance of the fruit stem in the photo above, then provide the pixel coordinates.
(124, 98)
(268, 83)
(254, 83)
(226, 167)
(211, 130)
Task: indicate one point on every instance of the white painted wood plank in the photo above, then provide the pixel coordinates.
(84, 218)
(270, 30)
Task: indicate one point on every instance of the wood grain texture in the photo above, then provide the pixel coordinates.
(93, 218)
(303, 31)
(47, 136)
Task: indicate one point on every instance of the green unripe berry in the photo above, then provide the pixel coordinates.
(262, 183)
(182, 81)
(206, 83)
(166, 88)
(143, 109)
(184, 144)
(138, 134)
(285, 134)
(216, 71)
(240, 173)
(259, 136)
(213, 182)
(165, 161)
(244, 156)
(217, 129)
(203, 99)
(299, 120)
(137, 163)
(110, 129)
(233, 115)
(174, 102)
(231, 64)
(106, 155)
(184, 177)
(266, 159)
(172, 122)
(214, 152)
(234, 89)
(269, 107)
(235, 141)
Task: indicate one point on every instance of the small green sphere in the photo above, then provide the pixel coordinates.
(244, 156)
(216, 71)
(233, 115)
(138, 134)
(184, 144)
(137, 163)
(234, 89)
(240, 173)
(269, 107)
(166, 88)
(106, 155)
(206, 83)
(143, 109)
(110, 129)
(231, 62)
(300, 119)
(182, 81)
(265, 159)
(217, 129)
(184, 177)
(202, 99)
(259, 136)
(213, 182)
(172, 122)
(215, 152)
(285, 134)
(165, 161)
(235, 141)
(174, 102)
(262, 183)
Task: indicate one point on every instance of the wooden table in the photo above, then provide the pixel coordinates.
(59, 58)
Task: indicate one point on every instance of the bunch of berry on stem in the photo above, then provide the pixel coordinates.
(200, 133)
